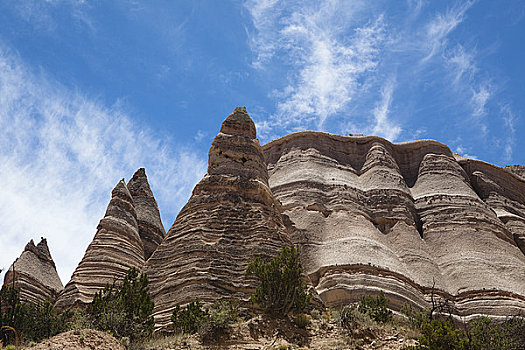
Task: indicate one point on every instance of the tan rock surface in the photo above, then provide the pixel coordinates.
(151, 230)
(516, 170)
(231, 218)
(80, 339)
(371, 215)
(36, 276)
(115, 248)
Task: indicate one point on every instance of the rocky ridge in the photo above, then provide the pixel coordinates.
(406, 218)
(35, 274)
(412, 219)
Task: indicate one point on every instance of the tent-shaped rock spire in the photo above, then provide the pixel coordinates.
(231, 218)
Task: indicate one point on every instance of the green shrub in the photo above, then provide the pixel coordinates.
(32, 321)
(316, 314)
(125, 310)
(415, 317)
(441, 334)
(376, 308)
(281, 287)
(481, 333)
(190, 318)
(41, 321)
(302, 320)
(217, 324)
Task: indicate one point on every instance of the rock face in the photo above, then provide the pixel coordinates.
(231, 218)
(407, 218)
(35, 274)
(115, 248)
(518, 170)
(151, 231)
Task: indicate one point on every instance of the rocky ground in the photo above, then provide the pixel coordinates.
(257, 333)
(321, 333)
(80, 339)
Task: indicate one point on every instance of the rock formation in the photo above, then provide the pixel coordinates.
(231, 218)
(412, 219)
(35, 274)
(518, 170)
(151, 231)
(115, 248)
(407, 218)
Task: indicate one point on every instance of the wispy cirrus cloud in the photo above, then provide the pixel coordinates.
(62, 153)
(383, 126)
(509, 120)
(328, 53)
(438, 29)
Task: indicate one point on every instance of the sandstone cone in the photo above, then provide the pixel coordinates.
(36, 276)
(231, 218)
(115, 248)
(370, 215)
(151, 230)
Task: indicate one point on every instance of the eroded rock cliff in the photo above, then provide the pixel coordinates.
(35, 274)
(231, 218)
(407, 218)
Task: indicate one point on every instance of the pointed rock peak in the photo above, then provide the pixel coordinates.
(35, 273)
(150, 226)
(121, 204)
(121, 191)
(30, 246)
(138, 185)
(43, 250)
(239, 123)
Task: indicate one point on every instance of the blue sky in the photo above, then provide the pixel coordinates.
(92, 90)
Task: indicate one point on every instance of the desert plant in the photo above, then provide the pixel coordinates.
(189, 318)
(302, 320)
(217, 324)
(124, 309)
(415, 317)
(281, 288)
(481, 333)
(376, 308)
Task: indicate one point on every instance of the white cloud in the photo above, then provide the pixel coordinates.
(479, 100)
(325, 62)
(62, 153)
(463, 64)
(384, 127)
(441, 26)
(509, 120)
(264, 15)
(200, 135)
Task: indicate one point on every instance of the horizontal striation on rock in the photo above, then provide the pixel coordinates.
(231, 218)
(503, 192)
(151, 231)
(115, 249)
(408, 218)
(35, 275)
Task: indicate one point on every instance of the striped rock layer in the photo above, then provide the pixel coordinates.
(115, 248)
(151, 231)
(35, 274)
(231, 218)
(408, 218)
